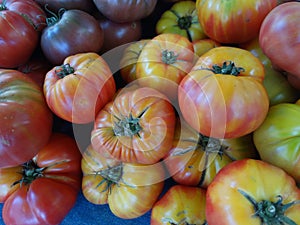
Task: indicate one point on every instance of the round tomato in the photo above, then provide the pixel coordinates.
(129, 60)
(67, 34)
(164, 61)
(18, 36)
(122, 11)
(252, 192)
(136, 126)
(278, 138)
(223, 95)
(276, 83)
(26, 121)
(180, 205)
(79, 88)
(44, 189)
(279, 37)
(203, 45)
(130, 189)
(181, 19)
(234, 21)
(116, 34)
(195, 159)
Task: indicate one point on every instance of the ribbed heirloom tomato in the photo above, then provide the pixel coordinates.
(223, 95)
(79, 88)
(137, 126)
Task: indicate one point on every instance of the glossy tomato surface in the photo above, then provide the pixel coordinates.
(44, 189)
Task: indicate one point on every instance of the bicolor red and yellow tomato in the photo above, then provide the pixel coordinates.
(223, 95)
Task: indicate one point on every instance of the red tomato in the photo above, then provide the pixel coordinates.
(223, 95)
(136, 127)
(67, 34)
(180, 205)
(122, 11)
(252, 192)
(130, 189)
(26, 121)
(234, 21)
(44, 189)
(79, 88)
(18, 36)
(279, 37)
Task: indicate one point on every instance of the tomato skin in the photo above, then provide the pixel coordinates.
(229, 106)
(181, 19)
(281, 28)
(135, 10)
(164, 61)
(276, 83)
(232, 22)
(192, 162)
(151, 118)
(19, 39)
(40, 202)
(180, 205)
(68, 35)
(203, 45)
(130, 189)
(277, 139)
(68, 97)
(260, 180)
(23, 112)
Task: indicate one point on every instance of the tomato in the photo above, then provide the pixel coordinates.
(223, 95)
(26, 121)
(278, 138)
(79, 88)
(137, 126)
(55, 5)
(180, 205)
(252, 192)
(195, 159)
(203, 45)
(44, 189)
(122, 11)
(281, 28)
(234, 21)
(18, 37)
(276, 83)
(130, 189)
(129, 60)
(181, 19)
(164, 61)
(67, 34)
(116, 34)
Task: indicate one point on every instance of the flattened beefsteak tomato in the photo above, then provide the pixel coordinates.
(137, 126)
(45, 188)
(223, 95)
(26, 120)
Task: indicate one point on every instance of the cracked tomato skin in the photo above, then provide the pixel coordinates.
(44, 199)
(137, 126)
(26, 121)
(226, 205)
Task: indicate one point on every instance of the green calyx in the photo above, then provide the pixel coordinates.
(64, 70)
(228, 68)
(169, 57)
(271, 213)
(30, 172)
(184, 22)
(111, 175)
(54, 18)
(128, 126)
(2, 7)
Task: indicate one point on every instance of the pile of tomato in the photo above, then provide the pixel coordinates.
(114, 98)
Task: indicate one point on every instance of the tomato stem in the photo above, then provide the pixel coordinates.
(54, 18)
(228, 68)
(64, 70)
(168, 57)
(271, 213)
